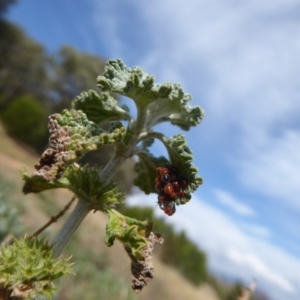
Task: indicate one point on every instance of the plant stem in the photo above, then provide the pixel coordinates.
(80, 211)
(110, 169)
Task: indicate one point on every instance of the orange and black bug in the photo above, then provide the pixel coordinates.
(175, 185)
(160, 171)
(161, 198)
(169, 190)
(159, 187)
(172, 169)
(180, 193)
(165, 178)
(168, 207)
(170, 210)
(157, 180)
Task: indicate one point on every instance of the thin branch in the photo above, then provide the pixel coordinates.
(53, 219)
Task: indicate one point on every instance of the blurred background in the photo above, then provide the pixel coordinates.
(241, 63)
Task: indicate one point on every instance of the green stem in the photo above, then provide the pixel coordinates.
(111, 168)
(152, 135)
(80, 211)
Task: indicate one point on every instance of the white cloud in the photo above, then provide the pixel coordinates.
(250, 260)
(107, 25)
(274, 170)
(256, 230)
(231, 202)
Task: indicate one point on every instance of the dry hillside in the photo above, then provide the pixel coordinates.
(167, 284)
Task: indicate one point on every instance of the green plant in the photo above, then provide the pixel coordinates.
(75, 132)
(24, 119)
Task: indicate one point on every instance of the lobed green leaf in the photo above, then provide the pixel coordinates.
(100, 108)
(156, 102)
(128, 231)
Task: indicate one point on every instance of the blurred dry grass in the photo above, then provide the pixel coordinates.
(167, 284)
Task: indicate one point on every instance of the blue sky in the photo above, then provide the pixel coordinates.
(240, 61)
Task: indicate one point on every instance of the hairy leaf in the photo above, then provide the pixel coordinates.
(100, 108)
(156, 102)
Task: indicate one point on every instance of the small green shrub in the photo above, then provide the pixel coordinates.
(25, 120)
